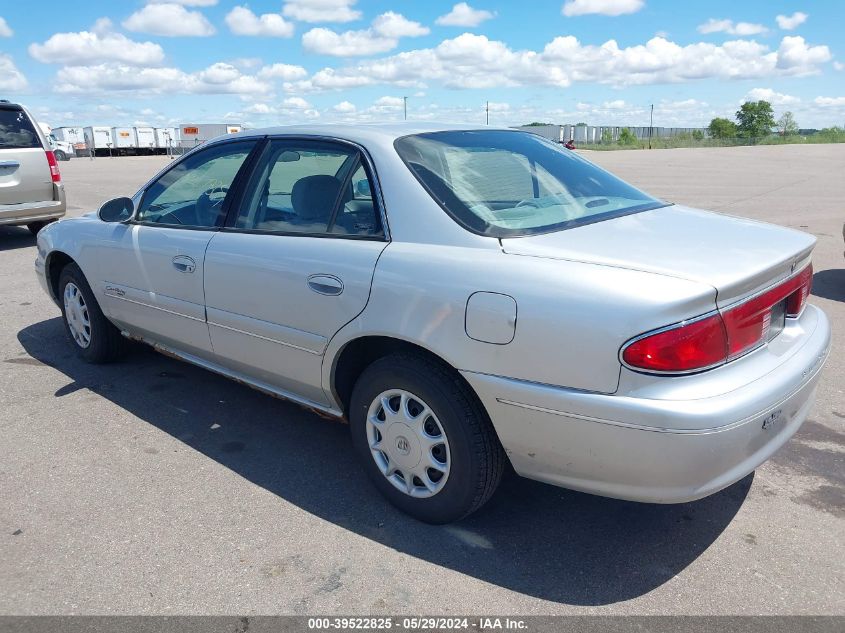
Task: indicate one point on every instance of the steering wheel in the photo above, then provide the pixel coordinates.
(209, 205)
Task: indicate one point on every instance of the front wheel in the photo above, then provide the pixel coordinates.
(425, 441)
(94, 337)
(60, 155)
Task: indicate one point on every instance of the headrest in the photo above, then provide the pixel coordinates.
(313, 197)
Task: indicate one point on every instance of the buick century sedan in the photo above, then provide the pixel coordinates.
(466, 299)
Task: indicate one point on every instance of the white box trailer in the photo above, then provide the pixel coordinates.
(123, 139)
(166, 137)
(98, 138)
(193, 134)
(72, 135)
(146, 140)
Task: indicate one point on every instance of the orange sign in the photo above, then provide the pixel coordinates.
(123, 134)
(190, 130)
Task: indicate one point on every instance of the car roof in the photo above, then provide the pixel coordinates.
(361, 132)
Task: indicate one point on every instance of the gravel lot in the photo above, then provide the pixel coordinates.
(155, 487)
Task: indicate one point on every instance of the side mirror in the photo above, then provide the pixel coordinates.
(117, 210)
(362, 188)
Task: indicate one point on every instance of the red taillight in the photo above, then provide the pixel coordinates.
(689, 346)
(54, 167)
(718, 338)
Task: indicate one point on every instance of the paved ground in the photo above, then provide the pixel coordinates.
(154, 487)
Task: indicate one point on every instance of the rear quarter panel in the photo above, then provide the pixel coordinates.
(572, 317)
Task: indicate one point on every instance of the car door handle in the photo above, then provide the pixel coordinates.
(9, 163)
(184, 264)
(325, 284)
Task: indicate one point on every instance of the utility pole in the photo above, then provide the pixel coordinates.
(650, 126)
(487, 110)
(405, 106)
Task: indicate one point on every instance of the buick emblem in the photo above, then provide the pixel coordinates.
(402, 445)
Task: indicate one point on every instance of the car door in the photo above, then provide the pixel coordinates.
(294, 263)
(151, 270)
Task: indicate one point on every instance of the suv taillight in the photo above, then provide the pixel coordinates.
(54, 166)
(715, 339)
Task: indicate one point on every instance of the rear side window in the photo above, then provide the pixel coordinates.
(310, 188)
(16, 130)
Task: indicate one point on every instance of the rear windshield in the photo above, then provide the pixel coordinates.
(16, 131)
(503, 184)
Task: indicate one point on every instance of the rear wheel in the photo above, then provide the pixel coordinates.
(93, 336)
(34, 227)
(424, 440)
(60, 155)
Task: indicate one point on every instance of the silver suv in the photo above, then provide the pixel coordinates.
(31, 189)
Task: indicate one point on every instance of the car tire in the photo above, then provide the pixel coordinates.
(34, 227)
(93, 336)
(60, 155)
(470, 452)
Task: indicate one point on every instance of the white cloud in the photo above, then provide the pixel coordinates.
(827, 102)
(96, 46)
(242, 21)
(344, 107)
(11, 78)
(219, 78)
(797, 58)
(296, 102)
(286, 72)
(381, 37)
(474, 61)
(767, 94)
(728, 26)
(390, 102)
(347, 44)
(789, 22)
(5, 29)
(602, 7)
(618, 104)
(838, 66)
(169, 20)
(394, 25)
(464, 15)
(321, 10)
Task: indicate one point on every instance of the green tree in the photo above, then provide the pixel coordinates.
(722, 128)
(755, 118)
(787, 125)
(627, 137)
(697, 135)
(606, 136)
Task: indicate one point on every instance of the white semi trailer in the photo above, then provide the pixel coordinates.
(98, 138)
(123, 140)
(166, 139)
(146, 140)
(193, 134)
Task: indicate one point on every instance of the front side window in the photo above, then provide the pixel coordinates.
(309, 187)
(503, 183)
(16, 130)
(192, 193)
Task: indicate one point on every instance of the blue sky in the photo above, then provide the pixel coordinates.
(262, 62)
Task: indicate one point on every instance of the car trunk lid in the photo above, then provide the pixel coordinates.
(737, 256)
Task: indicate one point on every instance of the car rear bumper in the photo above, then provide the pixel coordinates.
(655, 449)
(40, 211)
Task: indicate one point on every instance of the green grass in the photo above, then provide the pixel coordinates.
(830, 135)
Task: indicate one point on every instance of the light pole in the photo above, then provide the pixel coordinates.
(405, 106)
(650, 125)
(487, 111)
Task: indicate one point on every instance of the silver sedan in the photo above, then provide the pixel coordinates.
(465, 298)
